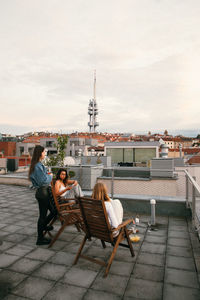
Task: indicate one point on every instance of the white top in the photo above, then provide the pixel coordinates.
(114, 221)
(62, 188)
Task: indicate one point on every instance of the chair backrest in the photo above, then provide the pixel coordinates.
(54, 196)
(95, 219)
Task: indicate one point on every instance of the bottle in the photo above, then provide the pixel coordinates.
(137, 220)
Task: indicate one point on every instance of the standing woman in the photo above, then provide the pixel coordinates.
(41, 180)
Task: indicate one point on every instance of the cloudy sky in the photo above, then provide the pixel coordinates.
(146, 54)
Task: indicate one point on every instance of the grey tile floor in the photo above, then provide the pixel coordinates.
(166, 265)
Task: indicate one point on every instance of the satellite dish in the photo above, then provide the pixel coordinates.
(68, 160)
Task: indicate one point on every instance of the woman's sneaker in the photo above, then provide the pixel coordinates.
(43, 241)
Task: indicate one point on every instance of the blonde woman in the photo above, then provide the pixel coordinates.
(113, 207)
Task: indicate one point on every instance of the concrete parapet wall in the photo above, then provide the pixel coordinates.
(157, 187)
(14, 180)
(163, 207)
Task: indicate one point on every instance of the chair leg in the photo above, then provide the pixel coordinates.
(103, 244)
(129, 242)
(53, 220)
(119, 238)
(80, 249)
(57, 234)
(77, 227)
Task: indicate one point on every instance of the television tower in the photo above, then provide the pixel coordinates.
(93, 110)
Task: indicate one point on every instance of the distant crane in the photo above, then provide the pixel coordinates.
(93, 110)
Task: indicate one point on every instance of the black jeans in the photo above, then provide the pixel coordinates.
(43, 197)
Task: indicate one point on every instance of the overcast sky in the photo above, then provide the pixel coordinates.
(146, 54)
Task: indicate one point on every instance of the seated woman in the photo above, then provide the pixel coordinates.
(113, 207)
(66, 188)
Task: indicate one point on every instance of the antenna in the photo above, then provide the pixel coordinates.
(94, 84)
(93, 110)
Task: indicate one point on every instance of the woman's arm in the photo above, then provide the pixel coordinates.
(73, 182)
(39, 177)
(57, 188)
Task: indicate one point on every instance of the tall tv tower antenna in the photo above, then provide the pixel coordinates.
(93, 110)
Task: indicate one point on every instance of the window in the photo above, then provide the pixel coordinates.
(21, 150)
(128, 155)
(142, 154)
(49, 144)
(116, 155)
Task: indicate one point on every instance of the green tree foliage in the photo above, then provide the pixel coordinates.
(58, 159)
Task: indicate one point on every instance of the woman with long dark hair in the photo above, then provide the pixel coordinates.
(41, 180)
(66, 188)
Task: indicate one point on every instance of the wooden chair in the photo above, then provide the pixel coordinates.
(67, 215)
(97, 225)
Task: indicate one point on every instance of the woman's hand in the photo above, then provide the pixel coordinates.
(68, 188)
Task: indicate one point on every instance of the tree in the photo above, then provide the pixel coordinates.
(58, 159)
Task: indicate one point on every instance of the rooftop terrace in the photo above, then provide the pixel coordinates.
(166, 264)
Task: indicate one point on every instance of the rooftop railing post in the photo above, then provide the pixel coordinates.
(193, 203)
(112, 184)
(187, 190)
(81, 176)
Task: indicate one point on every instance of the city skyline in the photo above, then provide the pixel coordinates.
(146, 55)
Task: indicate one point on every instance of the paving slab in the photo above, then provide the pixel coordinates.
(99, 295)
(178, 234)
(62, 258)
(79, 277)
(33, 288)
(179, 251)
(182, 263)
(179, 242)
(116, 284)
(175, 292)
(148, 272)
(25, 265)
(144, 289)
(151, 259)
(178, 227)
(7, 260)
(50, 271)
(182, 277)
(156, 239)
(153, 248)
(121, 268)
(9, 280)
(65, 292)
(19, 250)
(40, 254)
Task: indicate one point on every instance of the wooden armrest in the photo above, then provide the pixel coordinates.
(71, 211)
(123, 224)
(67, 204)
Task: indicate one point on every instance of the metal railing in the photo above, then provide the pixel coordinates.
(192, 195)
(193, 199)
(190, 187)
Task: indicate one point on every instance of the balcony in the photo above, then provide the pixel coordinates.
(166, 264)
